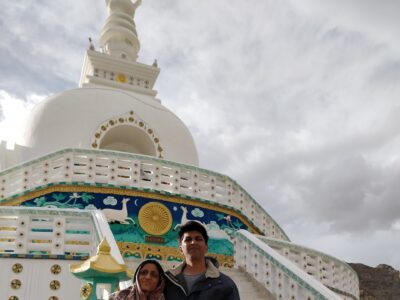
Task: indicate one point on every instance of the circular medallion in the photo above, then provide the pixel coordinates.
(15, 284)
(155, 218)
(13, 298)
(121, 78)
(17, 268)
(55, 269)
(86, 291)
(54, 285)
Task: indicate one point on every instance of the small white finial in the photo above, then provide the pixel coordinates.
(91, 46)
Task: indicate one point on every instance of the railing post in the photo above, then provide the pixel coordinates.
(21, 241)
(58, 242)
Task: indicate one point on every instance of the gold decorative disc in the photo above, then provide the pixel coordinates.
(55, 269)
(121, 78)
(155, 218)
(54, 285)
(17, 268)
(15, 284)
(86, 291)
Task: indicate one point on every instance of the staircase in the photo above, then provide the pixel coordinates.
(247, 286)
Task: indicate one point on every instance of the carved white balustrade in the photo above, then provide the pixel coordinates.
(283, 276)
(278, 275)
(41, 231)
(333, 273)
(37, 245)
(108, 168)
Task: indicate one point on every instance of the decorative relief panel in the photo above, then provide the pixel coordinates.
(140, 218)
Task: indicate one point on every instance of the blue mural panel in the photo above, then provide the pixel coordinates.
(145, 220)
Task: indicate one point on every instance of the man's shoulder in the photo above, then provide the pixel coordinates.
(226, 278)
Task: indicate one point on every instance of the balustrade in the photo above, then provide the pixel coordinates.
(330, 271)
(27, 231)
(274, 272)
(282, 268)
(138, 171)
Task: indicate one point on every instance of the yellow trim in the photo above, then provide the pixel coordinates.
(132, 193)
(8, 228)
(77, 243)
(7, 239)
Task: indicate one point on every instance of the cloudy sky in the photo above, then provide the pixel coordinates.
(298, 101)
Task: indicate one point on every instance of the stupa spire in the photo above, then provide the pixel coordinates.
(118, 36)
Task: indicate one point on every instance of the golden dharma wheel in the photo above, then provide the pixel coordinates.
(155, 218)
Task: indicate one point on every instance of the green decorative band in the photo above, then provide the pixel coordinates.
(337, 291)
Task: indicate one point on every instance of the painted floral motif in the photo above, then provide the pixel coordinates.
(58, 200)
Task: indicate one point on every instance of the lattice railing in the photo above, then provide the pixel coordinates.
(38, 231)
(128, 170)
(277, 274)
(333, 273)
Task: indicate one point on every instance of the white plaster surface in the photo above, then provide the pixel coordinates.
(70, 120)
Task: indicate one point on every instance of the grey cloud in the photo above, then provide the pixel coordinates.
(295, 101)
(22, 78)
(44, 41)
(377, 20)
(308, 77)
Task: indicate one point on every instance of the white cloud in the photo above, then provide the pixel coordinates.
(14, 111)
(296, 100)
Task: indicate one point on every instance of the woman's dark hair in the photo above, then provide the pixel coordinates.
(149, 261)
(193, 226)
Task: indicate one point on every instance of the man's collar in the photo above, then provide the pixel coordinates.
(211, 270)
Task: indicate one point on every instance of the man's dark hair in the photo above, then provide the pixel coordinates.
(193, 226)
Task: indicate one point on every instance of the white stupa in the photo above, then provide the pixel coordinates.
(115, 107)
(107, 161)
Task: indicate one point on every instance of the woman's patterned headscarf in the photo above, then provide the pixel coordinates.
(135, 292)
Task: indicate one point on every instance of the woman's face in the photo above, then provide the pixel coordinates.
(148, 278)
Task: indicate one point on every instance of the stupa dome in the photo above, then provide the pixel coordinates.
(98, 117)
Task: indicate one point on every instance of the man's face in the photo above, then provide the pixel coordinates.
(193, 246)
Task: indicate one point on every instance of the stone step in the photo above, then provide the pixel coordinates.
(248, 287)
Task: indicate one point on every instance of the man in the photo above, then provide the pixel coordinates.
(198, 277)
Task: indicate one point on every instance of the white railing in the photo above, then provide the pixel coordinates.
(333, 273)
(37, 246)
(283, 279)
(100, 167)
(36, 231)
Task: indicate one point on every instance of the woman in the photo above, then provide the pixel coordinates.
(148, 283)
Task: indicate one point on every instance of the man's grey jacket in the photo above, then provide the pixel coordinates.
(213, 286)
